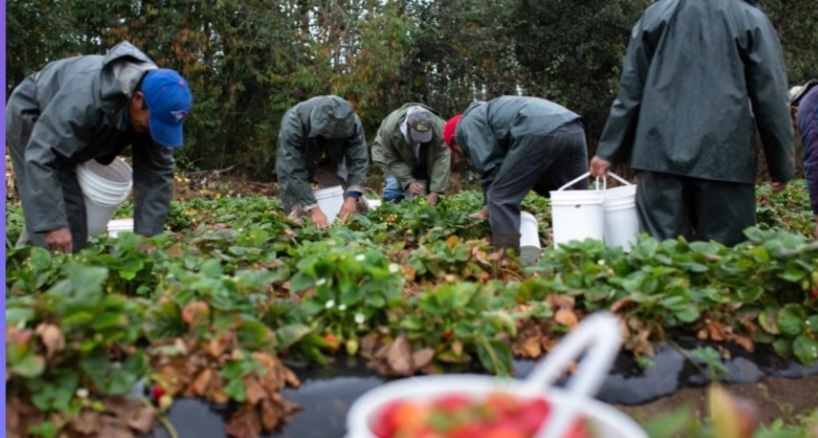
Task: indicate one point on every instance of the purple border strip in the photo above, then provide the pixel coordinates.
(3, 192)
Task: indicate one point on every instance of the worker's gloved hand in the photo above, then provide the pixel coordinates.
(319, 219)
(59, 240)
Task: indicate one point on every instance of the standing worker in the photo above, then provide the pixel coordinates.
(700, 77)
(516, 144)
(409, 149)
(93, 107)
(321, 140)
(804, 107)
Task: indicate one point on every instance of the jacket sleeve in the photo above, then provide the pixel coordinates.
(441, 169)
(356, 156)
(767, 87)
(56, 134)
(153, 167)
(388, 159)
(291, 163)
(618, 135)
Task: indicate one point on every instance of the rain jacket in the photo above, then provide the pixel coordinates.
(808, 127)
(498, 134)
(708, 74)
(300, 151)
(75, 110)
(394, 155)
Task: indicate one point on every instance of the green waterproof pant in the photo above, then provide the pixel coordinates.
(670, 206)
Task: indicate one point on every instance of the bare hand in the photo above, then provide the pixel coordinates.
(482, 214)
(319, 219)
(432, 198)
(599, 167)
(59, 240)
(349, 208)
(778, 186)
(416, 188)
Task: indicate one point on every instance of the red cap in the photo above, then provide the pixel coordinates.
(449, 128)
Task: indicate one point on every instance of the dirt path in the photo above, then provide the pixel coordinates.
(775, 398)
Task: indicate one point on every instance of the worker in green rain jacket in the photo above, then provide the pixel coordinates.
(700, 79)
(321, 140)
(409, 149)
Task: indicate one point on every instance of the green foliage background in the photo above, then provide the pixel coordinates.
(248, 61)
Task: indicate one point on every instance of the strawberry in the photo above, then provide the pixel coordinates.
(533, 413)
(156, 393)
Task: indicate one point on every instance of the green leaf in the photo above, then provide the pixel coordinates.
(791, 320)
(289, 335)
(235, 390)
(30, 365)
(805, 349)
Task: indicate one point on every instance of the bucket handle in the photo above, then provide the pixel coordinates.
(604, 180)
(600, 337)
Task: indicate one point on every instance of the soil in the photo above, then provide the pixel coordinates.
(773, 397)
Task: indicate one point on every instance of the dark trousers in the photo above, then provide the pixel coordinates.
(560, 157)
(670, 206)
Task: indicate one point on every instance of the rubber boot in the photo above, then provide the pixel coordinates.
(503, 242)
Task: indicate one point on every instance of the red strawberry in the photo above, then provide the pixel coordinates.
(533, 413)
(156, 393)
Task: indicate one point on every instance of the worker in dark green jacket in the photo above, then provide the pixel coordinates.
(321, 140)
(409, 149)
(700, 78)
(91, 108)
(516, 144)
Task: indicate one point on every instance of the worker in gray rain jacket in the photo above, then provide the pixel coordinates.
(92, 107)
(321, 140)
(700, 78)
(409, 149)
(516, 144)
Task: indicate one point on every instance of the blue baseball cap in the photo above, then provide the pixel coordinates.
(169, 101)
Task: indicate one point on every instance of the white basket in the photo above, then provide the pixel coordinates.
(599, 336)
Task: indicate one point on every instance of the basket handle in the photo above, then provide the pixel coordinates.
(604, 180)
(575, 180)
(619, 178)
(600, 337)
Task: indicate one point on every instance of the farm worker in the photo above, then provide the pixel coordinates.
(321, 140)
(516, 144)
(804, 108)
(92, 107)
(409, 149)
(700, 77)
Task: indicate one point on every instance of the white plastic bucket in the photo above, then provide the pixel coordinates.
(330, 199)
(117, 226)
(577, 214)
(105, 188)
(621, 218)
(529, 230)
(598, 336)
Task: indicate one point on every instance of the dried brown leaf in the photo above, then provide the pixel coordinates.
(87, 422)
(255, 392)
(566, 317)
(399, 356)
(52, 337)
(530, 348)
(422, 358)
